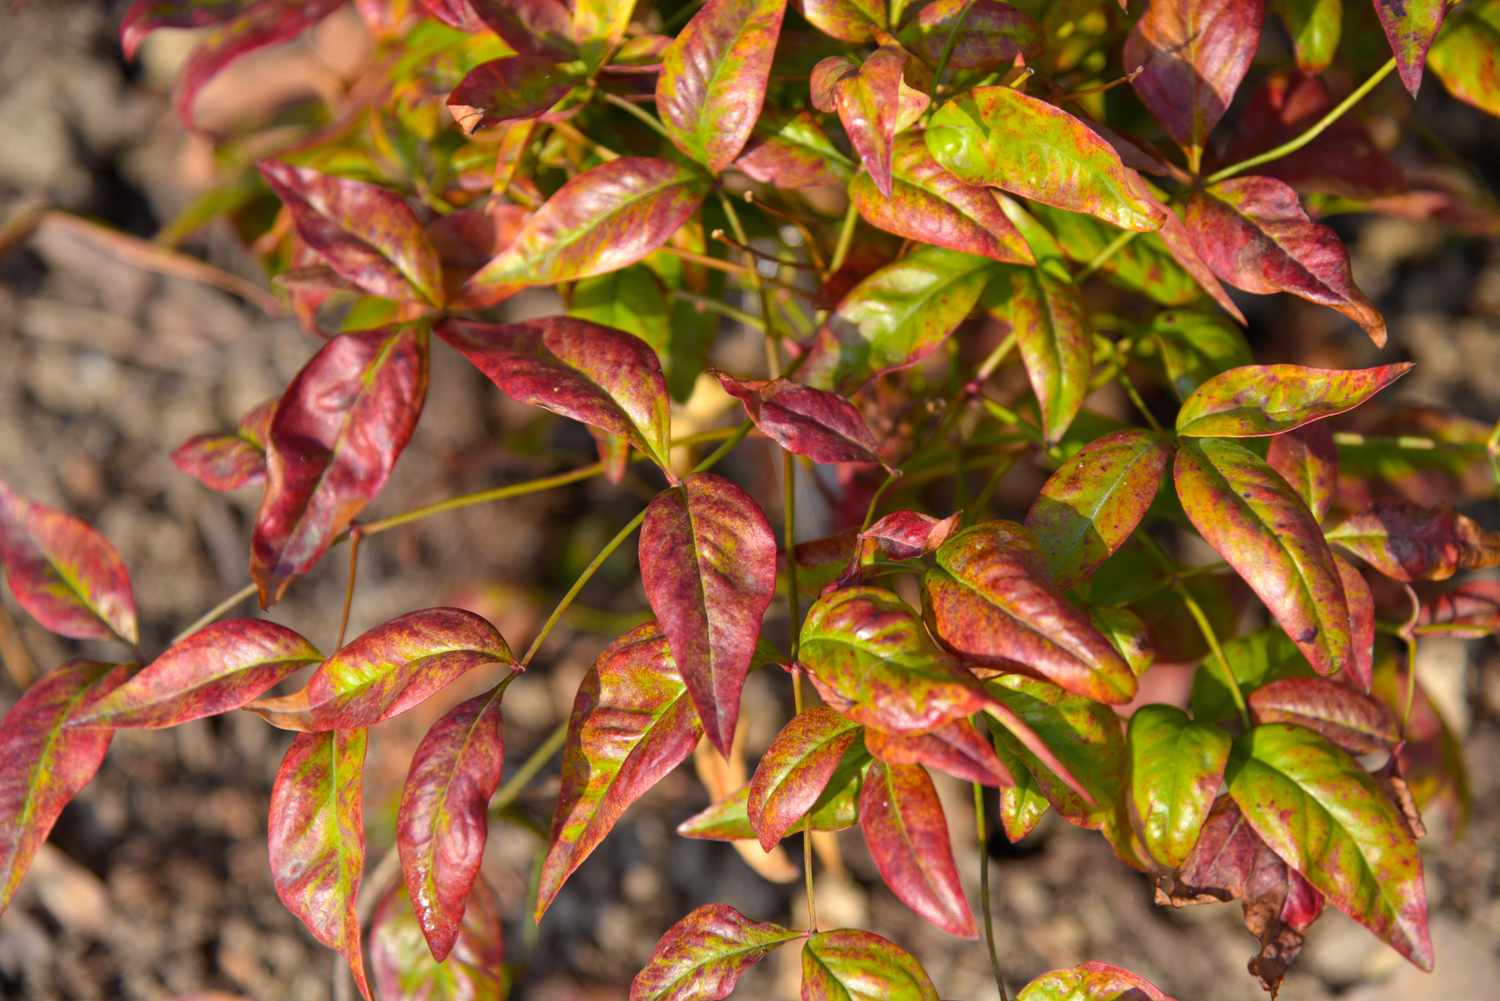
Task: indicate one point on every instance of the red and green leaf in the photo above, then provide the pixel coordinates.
(872, 103)
(443, 822)
(1260, 400)
(64, 573)
(1466, 55)
(1022, 805)
(906, 535)
(317, 838)
(792, 151)
(229, 461)
(44, 763)
(388, 670)
(703, 956)
(1410, 26)
(1407, 542)
(1176, 767)
(336, 435)
(1050, 324)
(847, 20)
(1469, 611)
(403, 969)
(214, 670)
(1255, 520)
(708, 565)
(987, 35)
(1357, 722)
(632, 723)
(1091, 982)
(849, 965)
(1308, 459)
(795, 770)
(505, 91)
(956, 748)
(1315, 27)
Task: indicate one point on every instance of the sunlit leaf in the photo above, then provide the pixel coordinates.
(1176, 767)
(1356, 722)
(1022, 805)
(1308, 460)
(792, 151)
(846, 20)
(1091, 982)
(1047, 317)
(821, 425)
(1259, 400)
(906, 535)
(794, 771)
(904, 827)
(849, 965)
(1466, 55)
(403, 969)
(987, 35)
(703, 956)
(1406, 542)
(872, 103)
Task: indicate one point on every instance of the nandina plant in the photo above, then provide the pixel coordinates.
(951, 224)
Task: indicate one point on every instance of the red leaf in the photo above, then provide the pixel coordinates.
(317, 839)
(1308, 460)
(506, 91)
(792, 152)
(1361, 602)
(1254, 519)
(904, 827)
(63, 572)
(990, 601)
(906, 535)
(1410, 26)
(708, 564)
(713, 77)
(1259, 400)
(362, 231)
(388, 670)
(214, 670)
(1188, 58)
(632, 723)
(795, 770)
(145, 16)
(1469, 611)
(604, 219)
(44, 763)
(1406, 542)
(703, 956)
(404, 969)
(987, 35)
(338, 430)
(956, 748)
(1255, 235)
(930, 205)
(443, 821)
(603, 377)
(229, 461)
(541, 28)
(1356, 722)
(871, 104)
(821, 425)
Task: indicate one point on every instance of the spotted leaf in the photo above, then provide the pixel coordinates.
(907, 834)
(795, 770)
(1259, 400)
(1176, 767)
(703, 956)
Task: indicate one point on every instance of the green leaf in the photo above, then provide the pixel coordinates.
(1315, 27)
(1466, 55)
(1176, 766)
(703, 956)
(999, 137)
(1328, 819)
(1047, 316)
(849, 965)
(1195, 346)
(1144, 265)
(631, 300)
(1259, 400)
(1091, 982)
(1022, 805)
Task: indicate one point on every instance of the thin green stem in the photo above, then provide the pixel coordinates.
(1135, 397)
(530, 768)
(720, 308)
(1102, 258)
(846, 239)
(767, 323)
(641, 114)
(483, 497)
(578, 585)
(356, 536)
(807, 835)
(948, 44)
(1411, 679)
(984, 889)
(248, 591)
(993, 360)
(1312, 132)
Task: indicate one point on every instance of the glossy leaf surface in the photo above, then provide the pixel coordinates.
(44, 763)
(1091, 505)
(64, 573)
(317, 838)
(703, 956)
(632, 723)
(821, 425)
(1176, 767)
(216, 669)
(794, 771)
(1361, 601)
(389, 669)
(713, 77)
(362, 231)
(1188, 57)
(1253, 518)
(1259, 400)
(1308, 460)
(336, 435)
(990, 601)
(956, 748)
(601, 376)
(708, 564)
(1406, 542)
(1022, 806)
(1255, 235)
(869, 102)
(999, 137)
(849, 965)
(442, 822)
(403, 969)
(602, 220)
(1356, 722)
(904, 827)
(1327, 819)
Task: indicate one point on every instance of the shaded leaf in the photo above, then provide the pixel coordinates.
(506, 91)
(214, 670)
(821, 425)
(1000, 137)
(44, 763)
(442, 822)
(1327, 819)
(1315, 27)
(603, 377)
(317, 838)
(1407, 542)
(1410, 26)
(365, 233)
(338, 430)
(404, 970)
(1260, 400)
(1255, 235)
(713, 77)
(531, 27)
(1188, 57)
(904, 827)
(1176, 767)
(1356, 722)
(1022, 805)
(992, 34)
(229, 461)
(708, 565)
(931, 206)
(604, 219)
(795, 770)
(1091, 982)
(1195, 346)
(1091, 505)
(849, 965)
(990, 601)
(64, 573)
(1466, 55)
(1308, 460)
(1047, 316)
(703, 956)
(956, 748)
(388, 670)
(632, 723)
(1254, 519)
(792, 152)
(1361, 602)
(1469, 611)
